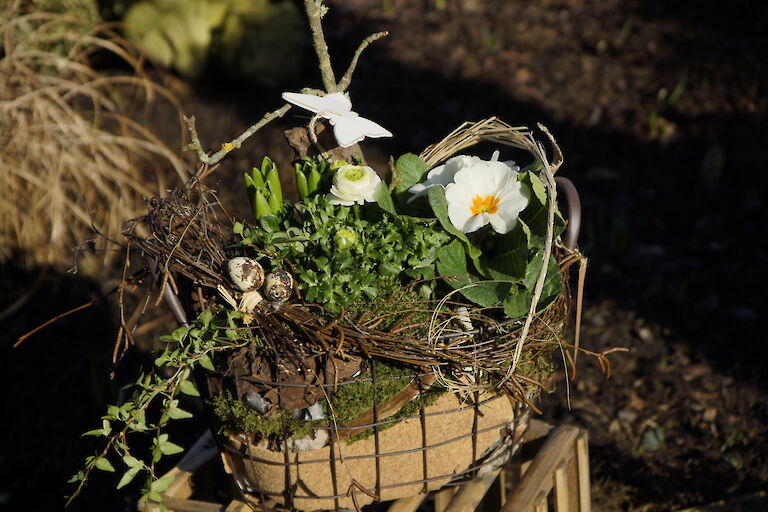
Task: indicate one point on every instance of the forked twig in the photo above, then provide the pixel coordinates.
(315, 11)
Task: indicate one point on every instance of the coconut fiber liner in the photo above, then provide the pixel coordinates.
(189, 232)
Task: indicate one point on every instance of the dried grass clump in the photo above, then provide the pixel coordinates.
(72, 160)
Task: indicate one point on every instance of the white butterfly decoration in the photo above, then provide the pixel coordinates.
(348, 127)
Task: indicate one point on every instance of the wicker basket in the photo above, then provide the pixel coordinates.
(464, 433)
(449, 441)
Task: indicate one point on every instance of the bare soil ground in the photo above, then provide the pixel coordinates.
(661, 112)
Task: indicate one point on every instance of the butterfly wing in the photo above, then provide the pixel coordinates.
(350, 129)
(328, 106)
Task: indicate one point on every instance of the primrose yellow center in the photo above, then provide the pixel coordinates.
(354, 174)
(488, 204)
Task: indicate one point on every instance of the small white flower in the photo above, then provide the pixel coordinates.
(354, 184)
(444, 174)
(486, 193)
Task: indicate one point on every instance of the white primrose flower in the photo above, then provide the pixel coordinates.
(354, 184)
(444, 175)
(486, 193)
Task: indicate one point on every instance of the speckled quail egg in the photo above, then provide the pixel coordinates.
(278, 286)
(245, 273)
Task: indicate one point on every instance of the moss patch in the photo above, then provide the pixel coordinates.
(236, 416)
(406, 411)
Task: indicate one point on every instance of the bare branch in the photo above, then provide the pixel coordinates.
(347, 78)
(315, 13)
(229, 146)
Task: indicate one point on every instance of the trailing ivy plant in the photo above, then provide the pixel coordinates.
(155, 401)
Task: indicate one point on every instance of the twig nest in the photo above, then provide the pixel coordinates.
(245, 273)
(278, 286)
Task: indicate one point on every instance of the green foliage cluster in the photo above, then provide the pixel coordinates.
(491, 269)
(155, 401)
(313, 175)
(340, 255)
(264, 190)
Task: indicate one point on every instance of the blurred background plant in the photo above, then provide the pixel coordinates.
(261, 40)
(73, 156)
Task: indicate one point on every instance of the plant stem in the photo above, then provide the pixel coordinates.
(315, 13)
(347, 78)
(229, 146)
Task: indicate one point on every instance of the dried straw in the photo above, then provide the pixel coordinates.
(71, 160)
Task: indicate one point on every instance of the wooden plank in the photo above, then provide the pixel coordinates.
(469, 495)
(238, 506)
(572, 480)
(582, 460)
(409, 504)
(201, 452)
(562, 503)
(443, 497)
(536, 430)
(541, 504)
(181, 505)
(538, 478)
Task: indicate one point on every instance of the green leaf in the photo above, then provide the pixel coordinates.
(301, 185)
(169, 448)
(132, 462)
(440, 206)
(535, 215)
(266, 165)
(250, 188)
(261, 206)
(274, 204)
(258, 178)
(410, 170)
(518, 302)
(275, 189)
(179, 414)
(162, 484)
(269, 223)
(104, 465)
(206, 362)
(188, 388)
(155, 496)
(452, 265)
(128, 476)
(76, 477)
(313, 181)
(519, 305)
(237, 228)
(384, 200)
(510, 256)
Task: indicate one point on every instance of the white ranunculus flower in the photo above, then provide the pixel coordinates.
(486, 193)
(354, 184)
(444, 174)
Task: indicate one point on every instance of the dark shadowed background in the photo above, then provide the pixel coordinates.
(660, 109)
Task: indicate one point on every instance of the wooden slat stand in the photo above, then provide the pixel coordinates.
(552, 475)
(561, 467)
